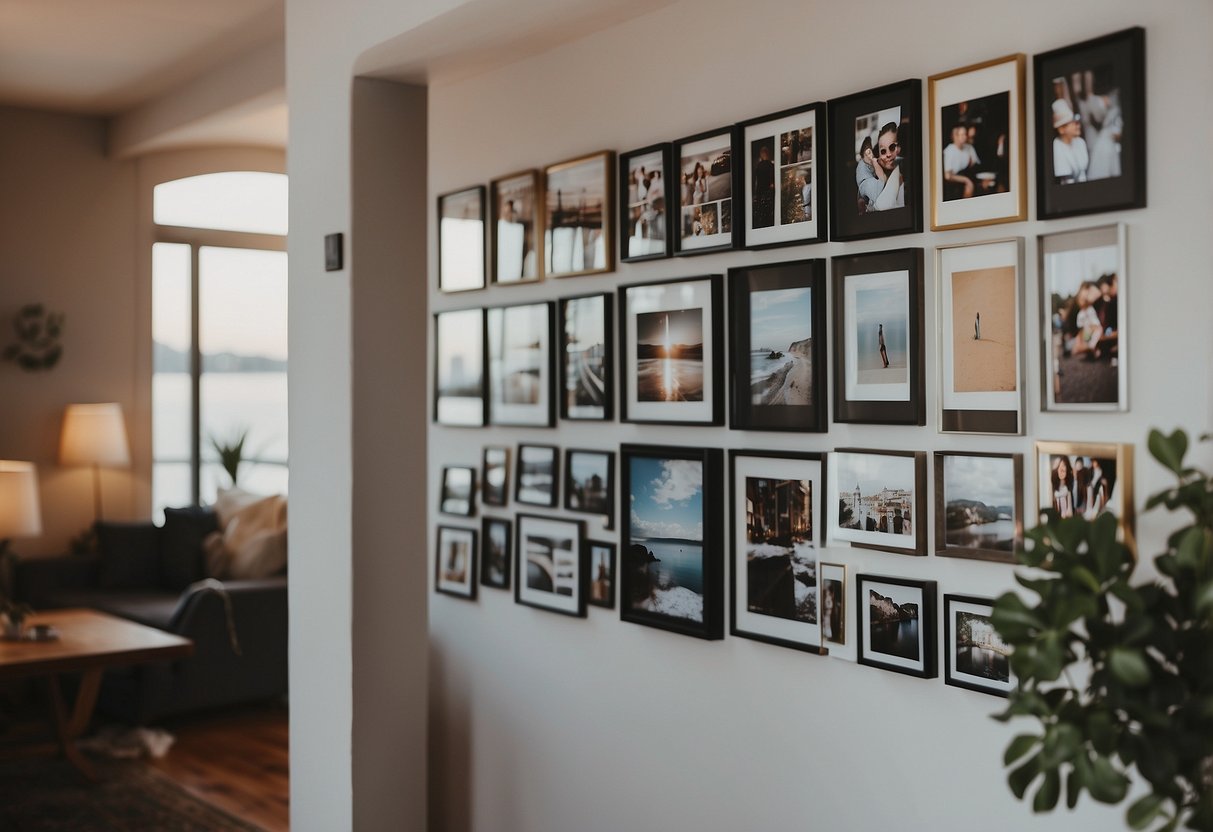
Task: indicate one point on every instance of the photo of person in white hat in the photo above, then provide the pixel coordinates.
(1070, 156)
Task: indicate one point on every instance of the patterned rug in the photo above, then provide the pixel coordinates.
(48, 795)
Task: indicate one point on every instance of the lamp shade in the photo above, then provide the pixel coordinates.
(94, 434)
(20, 514)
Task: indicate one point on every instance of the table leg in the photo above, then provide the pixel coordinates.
(69, 727)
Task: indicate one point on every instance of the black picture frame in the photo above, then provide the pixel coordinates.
(842, 498)
(589, 381)
(863, 112)
(447, 581)
(1114, 67)
(789, 161)
(971, 671)
(505, 321)
(602, 586)
(584, 174)
(926, 666)
(598, 499)
(541, 587)
(495, 566)
(969, 508)
(462, 402)
(656, 297)
(853, 407)
(449, 502)
(446, 283)
(499, 188)
(636, 208)
(525, 493)
(717, 154)
(765, 588)
(697, 497)
(494, 458)
(787, 278)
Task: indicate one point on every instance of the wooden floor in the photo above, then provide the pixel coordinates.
(237, 760)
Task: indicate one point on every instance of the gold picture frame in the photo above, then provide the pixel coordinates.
(589, 216)
(1119, 483)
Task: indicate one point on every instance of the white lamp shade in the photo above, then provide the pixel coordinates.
(94, 434)
(20, 513)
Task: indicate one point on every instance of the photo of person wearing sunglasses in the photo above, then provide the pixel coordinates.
(878, 173)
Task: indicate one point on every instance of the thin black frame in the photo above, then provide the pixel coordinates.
(484, 370)
(848, 224)
(582, 564)
(608, 358)
(914, 411)
(590, 545)
(712, 626)
(491, 419)
(1126, 48)
(625, 221)
(948, 667)
(735, 232)
(926, 623)
(716, 288)
(818, 546)
(821, 175)
(536, 227)
(941, 529)
(609, 514)
(473, 566)
(743, 282)
(555, 475)
(446, 470)
(484, 277)
(919, 549)
(608, 211)
(485, 524)
(484, 476)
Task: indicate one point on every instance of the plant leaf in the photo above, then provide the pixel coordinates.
(1169, 450)
(1129, 666)
(1142, 813)
(1022, 777)
(1046, 796)
(1019, 746)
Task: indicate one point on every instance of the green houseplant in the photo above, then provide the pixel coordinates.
(1117, 674)
(231, 452)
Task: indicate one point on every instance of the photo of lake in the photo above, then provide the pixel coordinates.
(781, 347)
(669, 356)
(664, 551)
(979, 649)
(979, 502)
(893, 622)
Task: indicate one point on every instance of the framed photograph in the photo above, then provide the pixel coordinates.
(455, 562)
(579, 199)
(535, 475)
(589, 483)
(877, 500)
(833, 579)
(1084, 357)
(777, 500)
(497, 534)
(514, 220)
(705, 192)
(1091, 126)
(645, 194)
(495, 476)
(551, 570)
(975, 656)
(672, 571)
(876, 160)
(602, 574)
(587, 358)
(784, 182)
(458, 491)
(981, 337)
(672, 364)
(897, 625)
(777, 327)
(978, 505)
(521, 376)
(459, 368)
(461, 240)
(1087, 479)
(878, 338)
(978, 144)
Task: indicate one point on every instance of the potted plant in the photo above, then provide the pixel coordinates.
(231, 452)
(1117, 673)
(14, 614)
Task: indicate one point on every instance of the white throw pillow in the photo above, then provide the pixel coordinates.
(253, 541)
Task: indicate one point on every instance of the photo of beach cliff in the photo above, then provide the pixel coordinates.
(781, 347)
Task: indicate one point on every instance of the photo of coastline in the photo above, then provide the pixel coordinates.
(780, 556)
(893, 621)
(979, 502)
(586, 386)
(665, 552)
(669, 356)
(781, 347)
(881, 335)
(979, 650)
(985, 340)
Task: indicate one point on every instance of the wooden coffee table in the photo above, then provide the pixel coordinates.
(89, 643)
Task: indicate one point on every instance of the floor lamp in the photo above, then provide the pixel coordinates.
(94, 434)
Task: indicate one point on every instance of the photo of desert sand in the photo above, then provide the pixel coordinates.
(984, 337)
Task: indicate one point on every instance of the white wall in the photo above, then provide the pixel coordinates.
(540, 722)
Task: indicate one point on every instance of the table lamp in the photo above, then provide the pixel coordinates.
(94, 434)
(20, 513)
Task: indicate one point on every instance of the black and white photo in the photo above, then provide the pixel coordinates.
(587, 360)
(458, 491)
(521, 378)
(535, 475)
(551, 565)
(459, 368)
(577, 228)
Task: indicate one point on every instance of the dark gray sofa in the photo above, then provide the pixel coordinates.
(156, 576)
